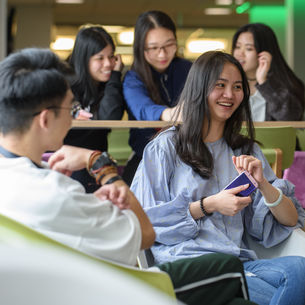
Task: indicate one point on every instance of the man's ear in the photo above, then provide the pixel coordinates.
(44, 118)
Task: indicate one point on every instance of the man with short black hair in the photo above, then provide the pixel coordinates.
(35, 116)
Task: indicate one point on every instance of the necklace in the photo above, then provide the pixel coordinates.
(251, 79)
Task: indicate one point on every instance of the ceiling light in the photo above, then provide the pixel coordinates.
(70, 1)
(113, 28)
(223, 2)
(62, 43)
(217, 11)
(126, 37)
(204, 45)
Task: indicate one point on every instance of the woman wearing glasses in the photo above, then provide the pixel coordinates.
(157, 76)
(97, 86)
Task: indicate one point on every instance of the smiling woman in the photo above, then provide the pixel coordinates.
(155, 81)
(184, 171)
(97, 86)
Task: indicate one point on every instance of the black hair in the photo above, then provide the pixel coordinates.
(265, 40)
(147, 21)
(30, 80)
(201, 80)
(89, 41)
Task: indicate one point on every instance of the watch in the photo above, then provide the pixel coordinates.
(103, 160)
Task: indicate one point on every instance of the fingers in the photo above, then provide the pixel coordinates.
(265, 55)
(239, 170)
(118, 63)
(238, 189)
(248, 163)
(84, 115)
(264, 60)
(117, 195)
(56, 157)
(60, 166)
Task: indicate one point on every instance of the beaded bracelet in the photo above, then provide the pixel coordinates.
(205, 213)
(106, 170)
(91, 158)
(113, 179)
(277, 202)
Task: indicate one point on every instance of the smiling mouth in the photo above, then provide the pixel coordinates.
(225, 104)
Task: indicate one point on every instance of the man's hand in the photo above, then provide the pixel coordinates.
(118, 195)
(69, 159)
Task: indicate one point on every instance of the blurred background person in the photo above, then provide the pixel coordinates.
(277, 94)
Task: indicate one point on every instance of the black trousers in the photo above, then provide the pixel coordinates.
(130, 169)
(211, 279)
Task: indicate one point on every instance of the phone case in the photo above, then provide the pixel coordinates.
(241, 179)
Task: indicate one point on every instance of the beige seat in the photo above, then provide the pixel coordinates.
(293, 245)
(14, 233)
(39, 274)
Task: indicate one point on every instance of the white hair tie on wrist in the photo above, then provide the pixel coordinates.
(277, 202)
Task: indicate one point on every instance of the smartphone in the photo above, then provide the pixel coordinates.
(242, 179)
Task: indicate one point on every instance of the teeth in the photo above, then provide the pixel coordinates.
(225, 104)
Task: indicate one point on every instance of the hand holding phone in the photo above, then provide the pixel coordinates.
(242, 179)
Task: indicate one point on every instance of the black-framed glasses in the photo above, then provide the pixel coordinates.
(168, 48)
(74, 109)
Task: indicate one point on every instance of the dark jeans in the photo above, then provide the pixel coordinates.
(212, 279)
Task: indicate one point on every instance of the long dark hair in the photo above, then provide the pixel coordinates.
(146, 22)
(201, 80)
(89, 41)
(265, 40)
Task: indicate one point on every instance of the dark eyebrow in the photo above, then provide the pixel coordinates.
(225, 80)
(247, 44)
(168, 40)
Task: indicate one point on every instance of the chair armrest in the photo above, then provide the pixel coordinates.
(275, 158)
(293, 245)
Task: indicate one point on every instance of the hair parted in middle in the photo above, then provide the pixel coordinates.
(193, 103)
(147, 21)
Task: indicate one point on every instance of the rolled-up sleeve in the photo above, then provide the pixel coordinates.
(168, 211)
(259, 220)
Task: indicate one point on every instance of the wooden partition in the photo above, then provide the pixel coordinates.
(274, 155)
(161, 124)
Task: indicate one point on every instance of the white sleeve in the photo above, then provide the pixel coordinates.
(58, 207)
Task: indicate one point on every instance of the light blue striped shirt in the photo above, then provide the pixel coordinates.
(165, 186)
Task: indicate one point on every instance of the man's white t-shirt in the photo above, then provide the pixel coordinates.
(58, 207)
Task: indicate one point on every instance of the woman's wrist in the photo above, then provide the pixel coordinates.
(208, 205)
(263, 185)
(203, 207)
